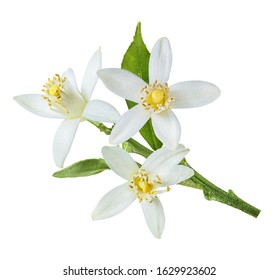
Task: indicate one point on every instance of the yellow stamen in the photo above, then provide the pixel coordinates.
(54, 91)
(145, 187)
(157, 97)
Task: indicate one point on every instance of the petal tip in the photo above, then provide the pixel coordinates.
(215, 93)
(158, 235)
(68, 73)
(192, 172)
(101, 72)
(173, 145)
(94, 216)
(17, 99)
(20, 98)
(164, 40)
(183, 148)
(59, 163)
(113, 139)
(105, 149)
(219, 92)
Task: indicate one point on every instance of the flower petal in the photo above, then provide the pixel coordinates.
(154, 216)
(129, 124)
(164, 159)
(122, 83)
(90, 77)
(72, 97)
(167, 128)
(175, 175)
(160, 61)
(120, 162)
(101, 111)
(35, 104)
(193, 94)
(71, 90)
(63, 140)
(70, 75)
(114, 202)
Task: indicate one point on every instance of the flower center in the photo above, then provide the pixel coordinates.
(145, 186)
(54, 90)
(156, 97)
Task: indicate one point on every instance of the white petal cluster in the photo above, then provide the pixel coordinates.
(159, 171)
(156, 99)
(62, 99)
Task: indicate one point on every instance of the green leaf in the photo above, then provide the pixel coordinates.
(83, 168)
(136, 60)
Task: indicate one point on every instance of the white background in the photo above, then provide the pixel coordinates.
(46, 222)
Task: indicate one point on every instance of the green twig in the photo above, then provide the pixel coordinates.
(101, 127)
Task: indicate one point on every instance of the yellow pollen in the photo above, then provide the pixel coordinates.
(146, 188)
(157, 97)
(54, 86)
(143, 185)
(54, 90)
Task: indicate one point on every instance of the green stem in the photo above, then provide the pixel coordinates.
(101, 127)
(210, 191)
(133, 146)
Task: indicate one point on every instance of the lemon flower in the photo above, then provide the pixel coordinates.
(62, 99)
(159, 171)
(156, 99)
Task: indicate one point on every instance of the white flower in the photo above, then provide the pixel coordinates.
(159, 171)
(62, 99)
(155, 99)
